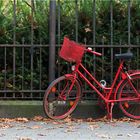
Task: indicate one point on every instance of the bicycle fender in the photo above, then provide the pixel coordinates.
(117, 88)
(69, 75)
(131, 73)
(74, 77)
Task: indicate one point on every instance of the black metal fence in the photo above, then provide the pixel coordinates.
(26, 58)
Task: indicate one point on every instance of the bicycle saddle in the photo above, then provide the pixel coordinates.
(125, 56)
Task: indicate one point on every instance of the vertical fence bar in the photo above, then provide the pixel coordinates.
(102, 59)
(22, 82)
(138, 52)
(94, 22)
(129, 23)
(111, 36)
(22, 64)
(5, 69)
(59, 14)
(85, 42)
(111, 21)
(40, 69)
(52, 32)
(129, 28)
(14, 42)
(59, 29)
(94, 34)
(14, 22)
(32, 42)
(120, 50)
(76, 16)
(103, 63)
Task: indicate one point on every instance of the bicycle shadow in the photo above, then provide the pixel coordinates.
(94, 111)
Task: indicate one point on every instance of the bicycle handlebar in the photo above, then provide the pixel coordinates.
(94, 52)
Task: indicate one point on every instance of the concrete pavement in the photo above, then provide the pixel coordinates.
(79, 129)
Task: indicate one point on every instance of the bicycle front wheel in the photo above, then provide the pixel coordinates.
(131, 106)
(59, 101)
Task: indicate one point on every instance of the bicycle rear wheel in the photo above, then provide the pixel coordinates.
(131, 107)
(59, 101)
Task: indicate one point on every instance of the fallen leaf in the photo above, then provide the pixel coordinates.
(79, 120)
(91, 127)
(46, 120)
(68, 119)
(6, 120)
(51, 128)
(129, 135)
(24, 120)
(38, 118)
(24, 138)
(55, 122)
(35, 127)
(41, 134)
(120, 135)
(5, 125)
(87, 30)
(102, 135)
(90, 120)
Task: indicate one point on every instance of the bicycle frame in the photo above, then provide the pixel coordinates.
(107, 90)
(124, 89)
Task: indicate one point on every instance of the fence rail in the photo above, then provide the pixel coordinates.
(24, 88)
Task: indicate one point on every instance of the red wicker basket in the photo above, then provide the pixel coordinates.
(71, 51)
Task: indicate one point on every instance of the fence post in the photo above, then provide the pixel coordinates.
(52, 32)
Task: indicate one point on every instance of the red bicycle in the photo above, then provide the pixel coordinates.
(64, 93)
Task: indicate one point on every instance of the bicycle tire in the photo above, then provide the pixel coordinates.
(130, 108)
(54, 105)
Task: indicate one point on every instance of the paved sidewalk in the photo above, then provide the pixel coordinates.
(45, 129)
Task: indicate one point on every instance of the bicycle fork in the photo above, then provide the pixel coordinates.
(70, 88)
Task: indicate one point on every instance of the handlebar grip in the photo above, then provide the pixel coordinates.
(97, 53)
(94, 52)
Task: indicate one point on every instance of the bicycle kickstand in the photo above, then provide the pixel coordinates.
(109, 110)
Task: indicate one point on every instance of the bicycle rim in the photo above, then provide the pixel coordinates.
(59, 102)
(130, 108)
